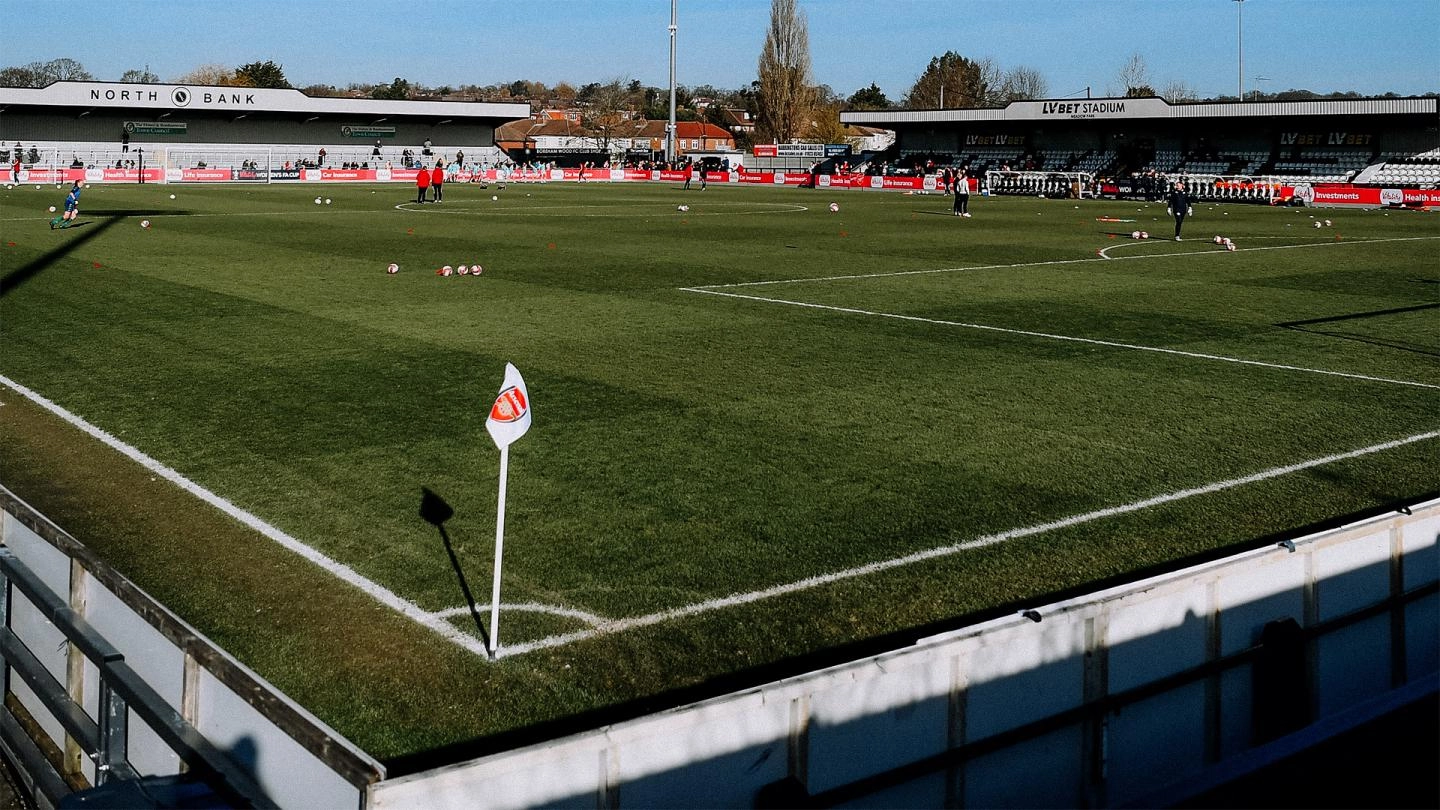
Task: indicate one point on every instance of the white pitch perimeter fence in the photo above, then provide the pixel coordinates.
(1145, 693)
(103, 685)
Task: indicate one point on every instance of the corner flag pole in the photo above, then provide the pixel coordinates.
(499, 551)
(509, 419)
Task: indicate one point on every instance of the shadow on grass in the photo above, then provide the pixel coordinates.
(17, 277)
(1312, 326)
(435, 511)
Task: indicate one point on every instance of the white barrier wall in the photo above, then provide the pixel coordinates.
(1102, 701)
(294, 758)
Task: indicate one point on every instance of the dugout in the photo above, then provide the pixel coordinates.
(1319, 139)
(115, 117)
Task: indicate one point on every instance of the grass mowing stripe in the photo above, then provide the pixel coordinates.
(1051, 336)
(344, 572)
(1046, 264)
(945, 551)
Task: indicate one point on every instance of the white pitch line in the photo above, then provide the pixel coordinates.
(1051, 336)
(344, 572)
(935, 271)
(1105, 252)
(734, 600)
(526, 607)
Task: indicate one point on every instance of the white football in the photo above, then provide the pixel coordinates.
(1229, 245)
(834, 207)
(446, 270)
(52, 209)
(317, 200)
(463, 270)
(172, 196)
(327, 200)
(493, 198)
(1327, 223)
(1217, 239)
(476, 270)
(393, 268)
(1318, 225)
(145, 223)
(1144, 235)
(1134, 234)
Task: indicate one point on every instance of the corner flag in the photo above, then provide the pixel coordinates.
(509, 419)
(510, 415)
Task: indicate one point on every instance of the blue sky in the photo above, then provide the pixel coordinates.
(1371, 46)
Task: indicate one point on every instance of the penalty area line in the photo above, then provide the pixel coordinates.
(1019, 265)
(340, 570)
(735, 600)
(1051, 336)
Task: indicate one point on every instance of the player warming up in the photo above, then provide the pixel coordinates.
(1178, 203)
(72, 207)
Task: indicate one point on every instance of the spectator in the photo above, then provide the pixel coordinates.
(376, 151)
(321, 156)
(124, 139)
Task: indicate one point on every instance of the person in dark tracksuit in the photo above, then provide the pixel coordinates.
(1178, 204)
(962, 195)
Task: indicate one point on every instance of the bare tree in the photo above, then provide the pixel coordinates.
(1134, 78)
(608, 107)
(991, 78)
(212, 74)
(140, 76)
(1022, 84)
(1176, 91)
(786, 95)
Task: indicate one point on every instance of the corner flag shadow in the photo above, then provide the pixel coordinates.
(13, 279)
(435, 511)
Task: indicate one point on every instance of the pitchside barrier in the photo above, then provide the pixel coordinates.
(262, 165)
(1146, 693)
(102, 684)
(1138, 694)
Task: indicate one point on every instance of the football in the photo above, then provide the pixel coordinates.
(1229, 245)
(446, 270)
(52, 209)
(1144, 235)
(682, 208)
(476, 270)
(172, 196)
(1134, 234)
(1318, 225)
(463, 270)
(1218, 240)
(1327, 223)
(493, 198)
(327, 200)
(317, 200)
(834, 207)
(393, 268)
(145, 223)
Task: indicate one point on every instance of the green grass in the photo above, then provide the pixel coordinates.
(685, 446)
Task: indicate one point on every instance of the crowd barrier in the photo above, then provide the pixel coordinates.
(1328, 195)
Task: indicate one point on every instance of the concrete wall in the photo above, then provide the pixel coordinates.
(1104, 700)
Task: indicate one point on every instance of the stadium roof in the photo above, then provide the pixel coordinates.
(200, 98)
(1070, 109)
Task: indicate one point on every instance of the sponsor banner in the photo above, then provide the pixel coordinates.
(1326, 139)
(671, 176)
(156, 127)
(810, 150)
(1392, 196)
(39, 175)
(1423, 196)
(1346, 195)
(123, 175)
(284, 174)
(763, 150)
(635, 174)
(200, 175)
(365, 131)
(836, 149)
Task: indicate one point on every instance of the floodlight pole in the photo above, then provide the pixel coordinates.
(670, 153)
(1240, 47)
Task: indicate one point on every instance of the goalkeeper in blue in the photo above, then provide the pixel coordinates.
(72, 207)
(1178, 203)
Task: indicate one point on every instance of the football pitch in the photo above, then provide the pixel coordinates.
(764, 432)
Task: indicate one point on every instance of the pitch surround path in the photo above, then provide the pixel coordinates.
(440, 621)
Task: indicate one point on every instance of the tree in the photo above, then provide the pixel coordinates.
(1134, 78)
(66, 70)
(608, 108)
(948, 81)
(262, 74)
(1176, 92)
(398, 90)
(214, 75)
(784, 74)
(1023, 84)
(868, 98)
(40, 74)
(140, 76)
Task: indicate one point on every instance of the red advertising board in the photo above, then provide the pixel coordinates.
(765, 150)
